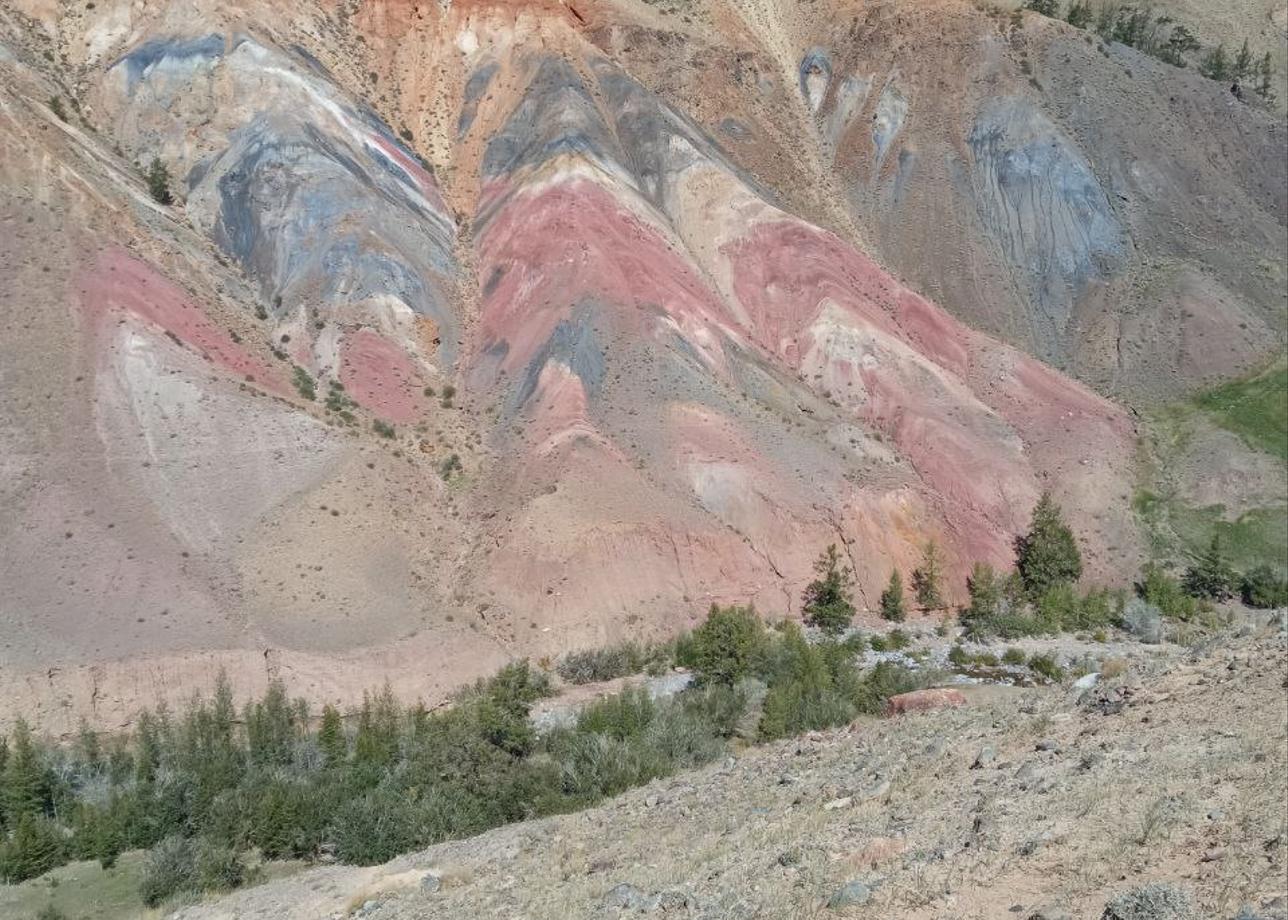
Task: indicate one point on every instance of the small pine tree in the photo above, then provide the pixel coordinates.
(828, 601)
(1048, 553)
(271, 727)
(159, 182)
(1215, 64)
(1049, 8)
(1265, 78)
(1242, 66)
(1211, 576)
(892, 603)
(1179, 42)
(331, 738)
(35, 847)
(25, 779)
(926, 578)
(985, 590)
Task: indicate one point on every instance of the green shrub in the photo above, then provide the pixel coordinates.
(218, 867)
(597, 665)
(727, 645)
(961, 658)
(897, 640)
(304, 384)
(1263, 589)
(621, 716)
(1211, 576)
(716, 706)
(450, 466)
(878, 643)
(885, 680)
(1013, 655)
(1165, 592)
(373, 828)
(855, 643)
(1046, 666)
(386, 430)
(1057, 608)
(171, 868)
(814, 687)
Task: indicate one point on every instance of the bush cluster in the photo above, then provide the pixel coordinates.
(202, 788)
(613, 661)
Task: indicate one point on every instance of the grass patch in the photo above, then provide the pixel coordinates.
(1256, 409)
(80, 890)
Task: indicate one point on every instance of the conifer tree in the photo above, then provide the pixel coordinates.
(1242, 66)
(1048, 554)
(1211, 576)
(892, 603)
(159, 182)
(1265, 78)
(926, 578)
(331, 740)
(25, 781)
(1215, 64)
(828, 601)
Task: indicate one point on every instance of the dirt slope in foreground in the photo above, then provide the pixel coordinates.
(1043, 802)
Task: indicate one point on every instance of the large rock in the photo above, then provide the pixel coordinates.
(924, 701)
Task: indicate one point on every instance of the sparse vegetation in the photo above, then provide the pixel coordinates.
(383, 428)
(1160, 35)
(609, 662)
(304, 384)
(56, 106)
(450, 466)
(1045, 665)
(339, 402)
(1256, 409)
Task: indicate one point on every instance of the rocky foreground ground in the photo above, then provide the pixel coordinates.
(1042, 803)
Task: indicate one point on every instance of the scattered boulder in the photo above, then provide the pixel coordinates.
(430, 882)
(924, 701)
(629, 897)
(1086, 681)
(851, 894)
(1050, 913)
(984, 758)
